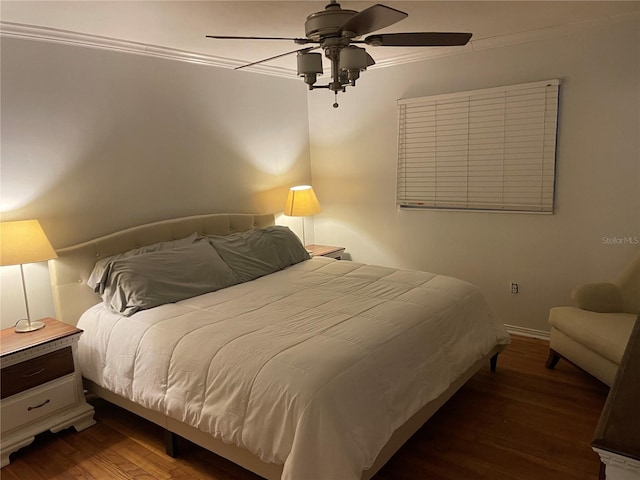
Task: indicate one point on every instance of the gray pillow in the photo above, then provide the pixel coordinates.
(165, 276)
(260, 251)
(100, 271)
(288, 246)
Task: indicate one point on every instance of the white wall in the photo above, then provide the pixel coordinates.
(353, 155)
(95, 141)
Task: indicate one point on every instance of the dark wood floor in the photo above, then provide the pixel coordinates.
(522, 422)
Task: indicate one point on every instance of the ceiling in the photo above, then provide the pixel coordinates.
(177, 28)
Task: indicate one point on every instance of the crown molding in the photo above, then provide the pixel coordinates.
(54, 35)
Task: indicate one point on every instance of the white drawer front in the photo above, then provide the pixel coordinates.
(21, 409)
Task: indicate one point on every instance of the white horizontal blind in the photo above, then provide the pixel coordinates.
(491, 149)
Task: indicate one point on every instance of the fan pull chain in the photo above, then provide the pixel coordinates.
(335, 103)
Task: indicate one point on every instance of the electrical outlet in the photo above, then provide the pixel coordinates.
(514, 288)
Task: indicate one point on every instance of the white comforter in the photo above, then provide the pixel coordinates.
(312, 367)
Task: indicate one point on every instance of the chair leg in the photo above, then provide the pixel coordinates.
(552, 359)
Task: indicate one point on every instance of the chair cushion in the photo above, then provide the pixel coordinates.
(598, 297)
(605, 333)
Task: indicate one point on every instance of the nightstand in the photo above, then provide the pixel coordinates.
(41, 386)
(325, 251)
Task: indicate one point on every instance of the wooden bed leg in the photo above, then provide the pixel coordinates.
(171, 444)
(552, 359)
(493, 362)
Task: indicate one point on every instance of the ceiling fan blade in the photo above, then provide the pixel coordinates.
(419, 39)
(371, 19)
(307, 49)
(299, 41)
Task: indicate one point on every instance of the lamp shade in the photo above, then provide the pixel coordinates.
(309, 63)
(355, 58)
(24, 242)
(301, 202)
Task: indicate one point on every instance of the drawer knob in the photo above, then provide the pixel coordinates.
(33, 374)
(39, 406)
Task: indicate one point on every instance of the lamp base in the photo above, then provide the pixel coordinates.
(25, 326)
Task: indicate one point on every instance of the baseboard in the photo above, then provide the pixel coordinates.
(528, 332)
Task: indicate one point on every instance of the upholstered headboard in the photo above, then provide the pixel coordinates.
(70, 271)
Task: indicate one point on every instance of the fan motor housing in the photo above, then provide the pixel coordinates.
(326, 23)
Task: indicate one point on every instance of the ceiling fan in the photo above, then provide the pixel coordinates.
(336, 31)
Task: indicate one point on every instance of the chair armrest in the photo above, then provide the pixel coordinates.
(598, 297)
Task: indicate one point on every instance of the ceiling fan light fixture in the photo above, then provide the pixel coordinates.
(353, 58)
(309, 66)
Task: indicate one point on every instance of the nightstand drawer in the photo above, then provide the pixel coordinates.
(21, 410)
(36, 371)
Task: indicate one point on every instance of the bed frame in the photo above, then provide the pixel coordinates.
(70, 271)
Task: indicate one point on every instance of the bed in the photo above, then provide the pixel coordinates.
(321, 369)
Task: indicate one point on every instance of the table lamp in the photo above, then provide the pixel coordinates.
(302, 202)
(24, 242)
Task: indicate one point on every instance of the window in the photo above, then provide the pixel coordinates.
(491, 149)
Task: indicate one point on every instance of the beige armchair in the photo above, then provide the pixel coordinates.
(594, 333)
